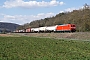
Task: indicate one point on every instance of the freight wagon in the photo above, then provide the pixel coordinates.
(34, 30)
(28, 30)
(51, 28)
(42, 29)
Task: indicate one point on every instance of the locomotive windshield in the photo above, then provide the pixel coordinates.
(72, 25)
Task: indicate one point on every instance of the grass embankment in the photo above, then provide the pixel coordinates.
(29, 48)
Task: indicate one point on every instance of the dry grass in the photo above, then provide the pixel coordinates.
(76, 35)
(5, 35)
(9, 35)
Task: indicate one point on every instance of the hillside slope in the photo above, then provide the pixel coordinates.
(8, 26)
(79, 17)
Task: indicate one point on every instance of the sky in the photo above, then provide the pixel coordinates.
(26, 11)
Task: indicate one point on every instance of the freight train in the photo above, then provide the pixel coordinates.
(55, 28)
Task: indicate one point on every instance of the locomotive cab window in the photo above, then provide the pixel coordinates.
(72, 25)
